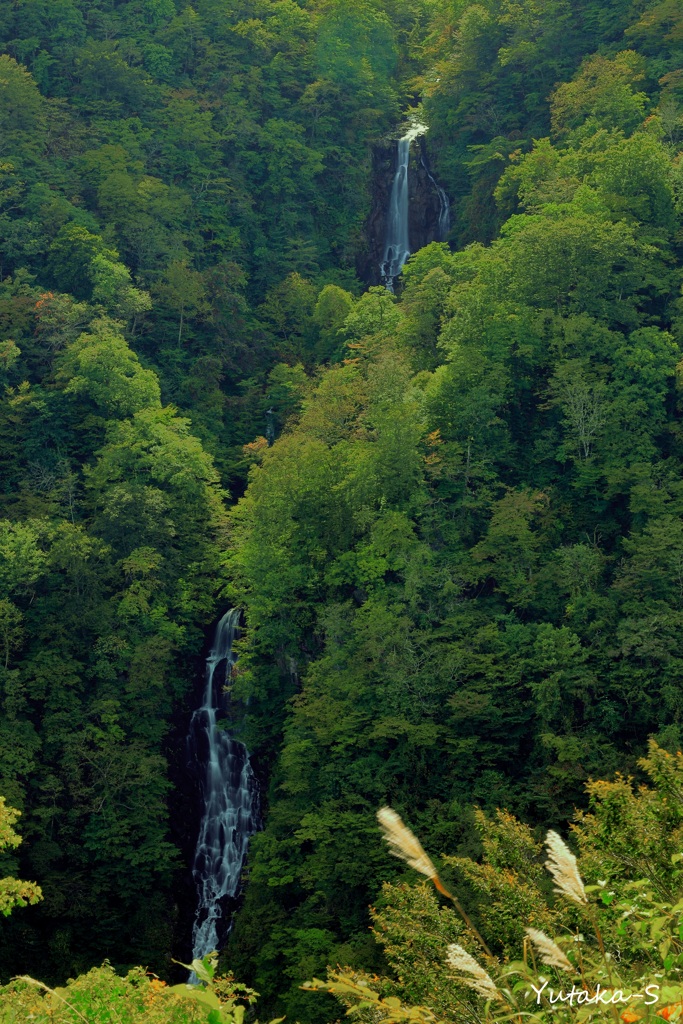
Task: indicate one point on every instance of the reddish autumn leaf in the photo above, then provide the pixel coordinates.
(671, 1012)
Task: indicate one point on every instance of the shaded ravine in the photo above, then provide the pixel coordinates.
(229, 795)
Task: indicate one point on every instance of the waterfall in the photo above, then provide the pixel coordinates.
(444, 204)
(444, 215)
(229, 790)
(397, 247)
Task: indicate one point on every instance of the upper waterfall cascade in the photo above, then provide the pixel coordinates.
(397, 246)
(230, 814)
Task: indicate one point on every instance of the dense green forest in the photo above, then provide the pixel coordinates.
(460, 563)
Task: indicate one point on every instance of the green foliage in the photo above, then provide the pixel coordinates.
(136, 997)
(620, 935)
(452, 561)
(105, 373)
(602, 93)
(332, 307)
(355, 45)
(13, 892)
(22, 121)
(496, 65)
(108, 554)
(459, 561)
(72, 254)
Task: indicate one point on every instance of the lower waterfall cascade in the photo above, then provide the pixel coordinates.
(230, 795)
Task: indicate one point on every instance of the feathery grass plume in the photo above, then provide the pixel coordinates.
(562, 866)
(403, 844)
(478, 979)
(549, 951)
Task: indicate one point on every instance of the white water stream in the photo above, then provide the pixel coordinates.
(230, 814)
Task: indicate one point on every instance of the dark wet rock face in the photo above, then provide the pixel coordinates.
(426, 209)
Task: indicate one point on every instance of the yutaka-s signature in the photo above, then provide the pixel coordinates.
(604, 997)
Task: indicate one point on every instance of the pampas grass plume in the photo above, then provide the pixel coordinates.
(562, 866)
(406, 846)
(549, 952)
(478, 979)
(403, 844)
